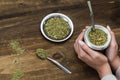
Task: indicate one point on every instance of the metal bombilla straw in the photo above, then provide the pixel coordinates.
(91, 15)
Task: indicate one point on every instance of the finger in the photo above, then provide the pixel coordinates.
(87, 27)
(113, 39)
(90, 52)
(76, 48)
(80, 37)
(108, 27)
(112, 33)
(82, 54)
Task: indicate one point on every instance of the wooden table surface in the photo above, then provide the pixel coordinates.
(20, 20)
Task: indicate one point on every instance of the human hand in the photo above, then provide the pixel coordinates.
(112, 51)
(93, 58)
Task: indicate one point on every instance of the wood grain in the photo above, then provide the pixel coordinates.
(20, 20)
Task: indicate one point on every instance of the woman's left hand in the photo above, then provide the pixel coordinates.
(93, 58)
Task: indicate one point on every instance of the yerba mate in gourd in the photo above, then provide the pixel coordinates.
(97, 37)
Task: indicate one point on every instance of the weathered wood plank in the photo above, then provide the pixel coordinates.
(20, 19)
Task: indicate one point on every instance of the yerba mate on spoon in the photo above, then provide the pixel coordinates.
(41, 53)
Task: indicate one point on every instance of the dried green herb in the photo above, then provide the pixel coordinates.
(57, 28)
(97, 37)
(17, 75)
(18, 50)
(15, 45)
(41, 53)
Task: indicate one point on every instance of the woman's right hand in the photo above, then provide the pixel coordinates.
(112, 51)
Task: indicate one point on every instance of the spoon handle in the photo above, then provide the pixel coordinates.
(91, 15)
(59, 65)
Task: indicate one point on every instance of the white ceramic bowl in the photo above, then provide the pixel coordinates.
(95, 47)
(60, 15)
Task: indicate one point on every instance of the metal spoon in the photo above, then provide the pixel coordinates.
(91, 15)
(59, 65)
(41, 53)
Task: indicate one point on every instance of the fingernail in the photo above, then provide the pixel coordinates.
(87, 27)
(83, 30)
(108, 27)
(81, 43)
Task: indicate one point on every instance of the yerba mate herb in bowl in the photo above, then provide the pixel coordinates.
(97, 37)
(57, 28)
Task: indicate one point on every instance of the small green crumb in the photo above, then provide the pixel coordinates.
(17, 75)
(41, 53)
(18, 50)
(15, 45)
